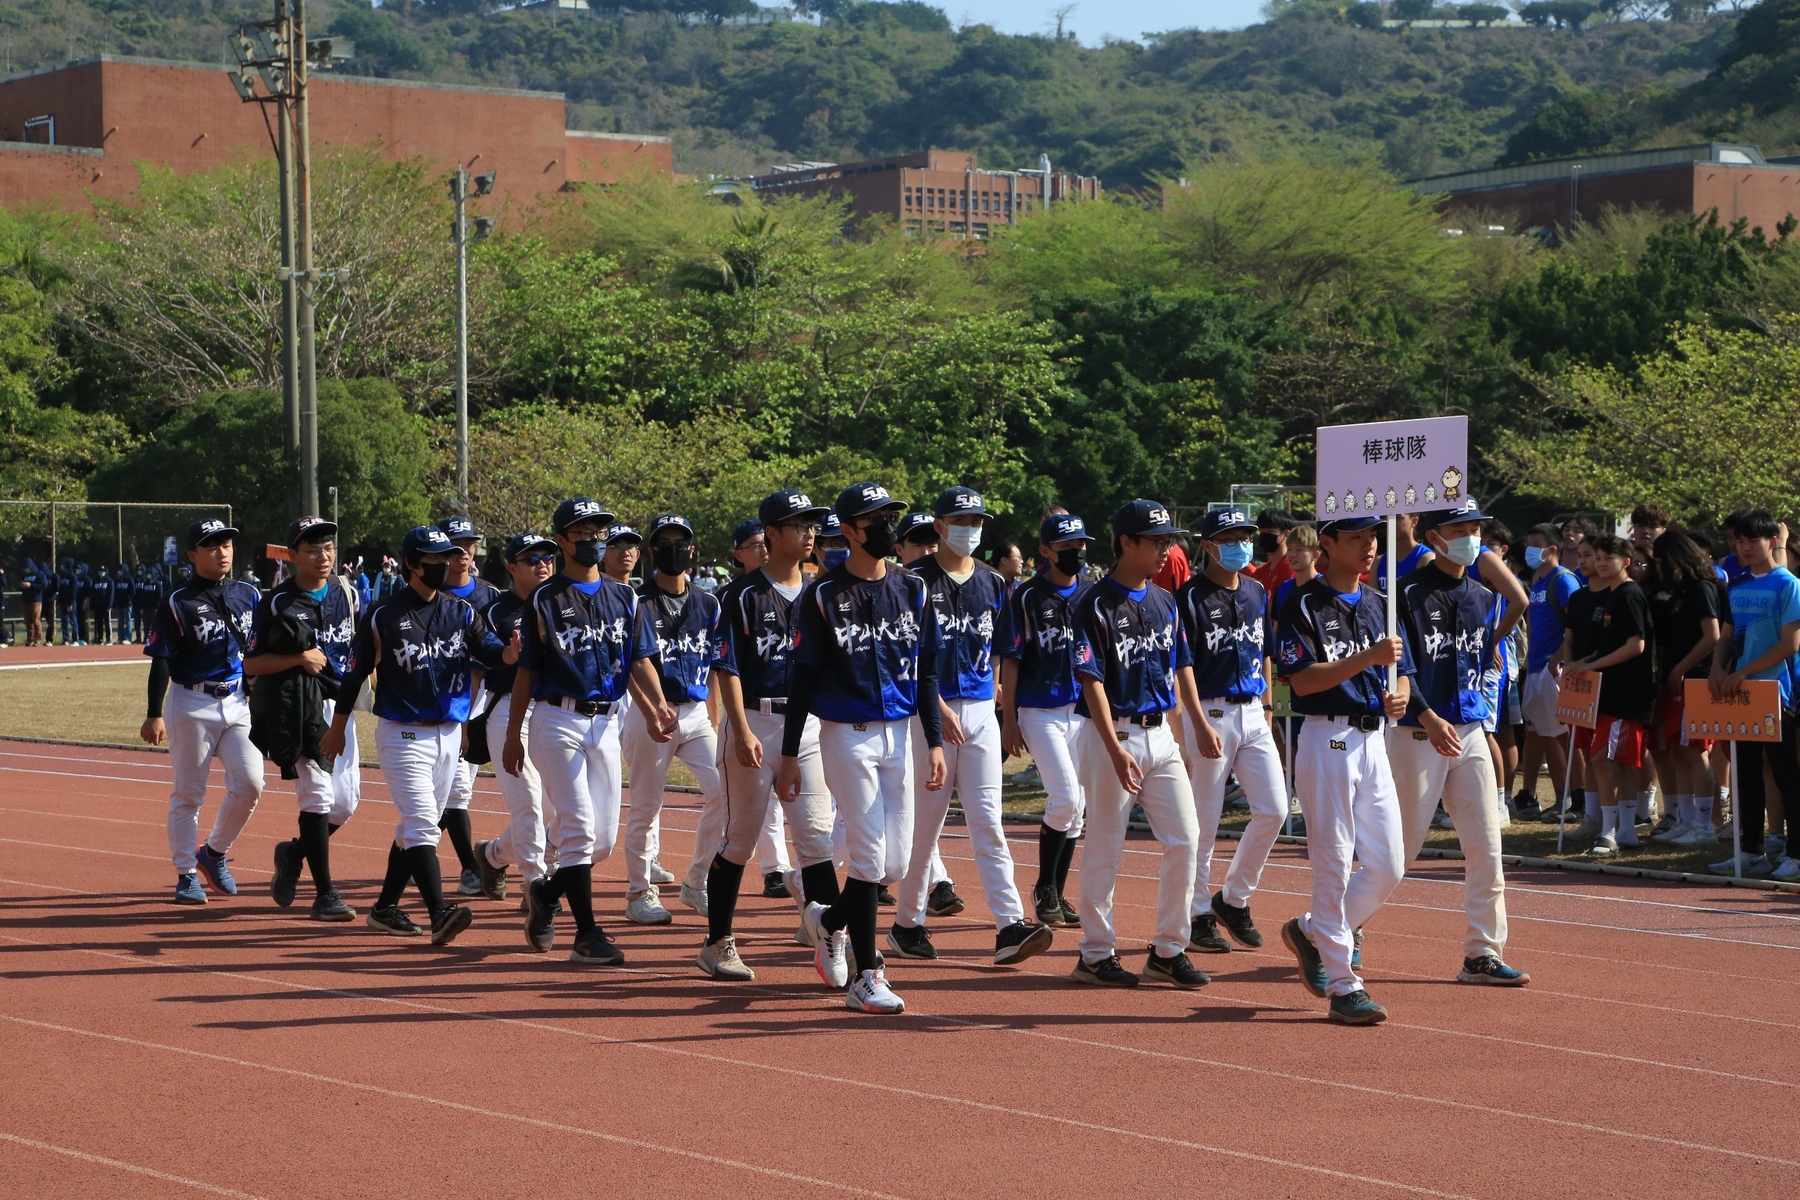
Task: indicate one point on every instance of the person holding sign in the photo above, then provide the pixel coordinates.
(1759, 640)
(1332, 644)
(1452, 624)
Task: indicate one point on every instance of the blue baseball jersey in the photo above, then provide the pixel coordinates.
(1407, 564)
(871, 643)
(1549, 602)
(1037, 627)
(1133, 643)
(755, 636)
(1319, 625)
(683, 639)
(478, 592)
(504, 617)
(967, 616)
(1225, 628)
(1760, 606)
(1449, 626)
(190, 630)
(581, 639)
(332, 620)
(423, 654)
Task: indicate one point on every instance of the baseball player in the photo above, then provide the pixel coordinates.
(915, 541)
(678, 620)
(580, 643)
(327, 798)
(1036, 644)
(624, 546)
(1132, 661)
(751, 661)
(479, 594)
(1453, 630)
(197, 642)
(1332, 645)
(749, 551)
(865, 663)
(832, 547)
(965, 598)
(1224, 614)
(915, 538)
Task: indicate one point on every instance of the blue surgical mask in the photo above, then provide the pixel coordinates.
(836, 557)
(1534, 557)
(1235, 556)
(1463, 551)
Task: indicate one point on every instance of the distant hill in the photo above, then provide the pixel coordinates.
(889, 77)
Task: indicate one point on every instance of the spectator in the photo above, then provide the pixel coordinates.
(31, 602)
(1272, 529)
(1615, 746)
(1686, 603)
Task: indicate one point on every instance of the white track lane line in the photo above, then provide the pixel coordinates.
(133, 1168)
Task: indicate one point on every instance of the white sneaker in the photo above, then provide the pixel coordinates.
(1673, 833)
(828, 947)
(660, 874)
(694, 898)
(1788, 871)
(1696, 835)
(870, 993)
(1604, 846)
(801, 937)
(1627, 835)
(791, 881)
(646, 908)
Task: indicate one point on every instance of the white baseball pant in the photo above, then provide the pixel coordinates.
(1466, 785)
(199, 729)
(647, 761)
(749, 793)
(1249, 750)
(972, 771)
(1168, 801)
(771, 844)
(522, 844)
(339, 790)
(577, 759)
(1052, 735)
(418, 762)
(869, 772)
(1347, 796)
(462, 789)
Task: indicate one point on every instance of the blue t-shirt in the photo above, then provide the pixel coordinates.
(1543, 617)
(1760, 606)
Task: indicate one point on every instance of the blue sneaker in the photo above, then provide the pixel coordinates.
(1357, 1009)
(1312, 971)
(1356, 949)
(1491, 971)
(218, 875)
(188, 889)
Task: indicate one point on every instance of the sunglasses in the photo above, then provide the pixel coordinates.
(536, 560)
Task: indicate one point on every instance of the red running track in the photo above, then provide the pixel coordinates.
(21, 655)
(242, 1050)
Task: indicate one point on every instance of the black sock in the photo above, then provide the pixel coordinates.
(576, 884)
(1063, 863)
(425, 874)
(399, 874)
(860, 905)
(455, 822)
(315, 843)
(723, 880)
(819, 884)
(1050, 848)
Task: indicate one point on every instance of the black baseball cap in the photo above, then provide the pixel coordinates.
(831, 526)
(1063, 527)
(1468, 510)
(959, 502)
(517, 545)
(1347, 525)
(916, 527)
(786, 505)
(457, 528)
(669, 521)
(310, 527)
(1144, 518)
(621, 532)
(1225, 520)
(425, 539)
(579, 508)
(208, 529)
(745, 530)
(861, 499)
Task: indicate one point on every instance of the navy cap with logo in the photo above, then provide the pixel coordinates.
(670, 521)
(458, 528)
(1144, 518)
(208, 529)
(788, 504)
(307, 528)
(1468, 510)
(579, 508)
(425, 539)
(916, 527)
(621, 532)
(744, 531)
(861, 499)
(830, 526)
(1063, 527)
(517, 545)
(959, 501)
(1347, 525)
(1225, 520)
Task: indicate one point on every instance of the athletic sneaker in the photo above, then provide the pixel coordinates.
(1696, 835)
(1357, 1009)
(1774, 847)
(1071, 915)
(828, 947)
(1526, 807)
(870, 994)
(1356, 940)
(1020, 941)
(1553, 815)
(720, 960)
(1442, 819)
(1489, 970)
(911, 943)
(659, 874)
(1047, 904)
(1605, 846)
(212, 866)
(391, 920)
(774, 886)
(188, 889)
(286, 880)
(1203, 935)
(1306, 955)
(646, 908)
(595, 949)
(491, 880)
(885, 898)
(944, 901)
(452, 920)
(1177, 971)
(694, 898)
(1664, 828)
(801, 937)
(1108, 972)
(1755, 866)
(1788, 871)
(329, 906)
(793, 885)
(1627, 835)
(1237, 922)
(540, 919)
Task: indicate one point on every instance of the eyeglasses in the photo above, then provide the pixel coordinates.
(801, 527)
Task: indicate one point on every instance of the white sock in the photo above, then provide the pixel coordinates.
(1647, 801)
(1627, 819)
(1687, 813)
(1609, 819)
(1703, 807)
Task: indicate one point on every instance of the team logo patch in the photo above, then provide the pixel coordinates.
(968, 500)
(860, 728)
(406, 735)
(1215, 712)
(1419, 735)
(1338, 744)
(1121, 735)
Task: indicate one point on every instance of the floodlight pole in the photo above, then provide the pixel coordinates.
(459, 194)
(303, 268)
(290, 341)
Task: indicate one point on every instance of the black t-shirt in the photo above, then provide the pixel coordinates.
(1627, 690)
(1581, 619)
(1676, 616)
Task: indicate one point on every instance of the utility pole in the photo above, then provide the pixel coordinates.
(303, 269)
(290, 309)
(461, 235)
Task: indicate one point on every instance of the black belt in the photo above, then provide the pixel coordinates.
(1230, 699)
(586, 708)
(218, 691)
(1146, 720)
(1365, 723)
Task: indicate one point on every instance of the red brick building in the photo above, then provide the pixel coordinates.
(81, 128)
(940, 191)
(1736, 180)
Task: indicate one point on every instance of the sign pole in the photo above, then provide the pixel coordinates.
(1393, 600)
(1737, 826)
(1562, 812)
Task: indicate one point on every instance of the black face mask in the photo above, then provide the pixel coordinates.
(1268, 542)
(589, 554)
(672, 558)
(1071, 559)
(879, 539)
(432, 575)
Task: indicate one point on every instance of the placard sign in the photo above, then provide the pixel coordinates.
(1578, 698)
(1385, 467)
(169, 557)
(278, 553)
(1752, 714)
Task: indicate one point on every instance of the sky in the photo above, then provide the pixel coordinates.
(1092, 20)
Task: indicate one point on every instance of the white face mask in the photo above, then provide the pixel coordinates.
(1463, 551)
(962, 539)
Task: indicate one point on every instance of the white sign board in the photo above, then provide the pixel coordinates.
(1388, 467)
(169, 556)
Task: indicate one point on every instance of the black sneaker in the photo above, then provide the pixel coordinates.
(595, 949)
(1526, 807)
(1554, 814)
(885, 898)
(1203, 936)
(451, 920)
(944, 901)
(1071, 915)
(1306, 955)
(493, 879)
(391, 920)
(540, 917)
(911, 943)
(1237, 922)
(286, 880)
(774, 886)
(1177, 971)
(1357, 1009)
(1020, 940)
(1048, 905)
(1109, 972)
(329, 906)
